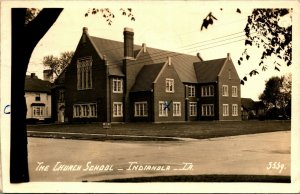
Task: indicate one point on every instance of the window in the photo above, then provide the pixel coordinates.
(207, 91)
(84, 73)
(38, 111)
(85, 110)
(229, 74)
(225, 90)
(235, 110)
(191, 90)
(193, 108)
(117, 109)
(169, 85)
(225, 110)
(234, 91)
(176, 109)
(163, 109)
(207, 110)
(38, 97)
(117, 85)
(61, 96)
(140, 109)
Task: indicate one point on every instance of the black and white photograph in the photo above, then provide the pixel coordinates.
(150, 96)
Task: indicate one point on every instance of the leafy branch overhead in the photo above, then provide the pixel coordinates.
(272, 33)
(108, 15)
(208, 20)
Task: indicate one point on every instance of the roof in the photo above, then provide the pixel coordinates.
(248, 103)
(208, 71)
(146, 77)
(34, 84)
(183, 63)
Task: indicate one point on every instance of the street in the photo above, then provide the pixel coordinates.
(83, 160)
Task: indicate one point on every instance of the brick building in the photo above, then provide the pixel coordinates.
(121, 82)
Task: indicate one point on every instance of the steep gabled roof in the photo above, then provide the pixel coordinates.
(33, 84)
(248, 103)
(114, 51)
(146, 77)
(208, 71)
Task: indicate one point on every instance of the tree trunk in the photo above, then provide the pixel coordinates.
(24, 40)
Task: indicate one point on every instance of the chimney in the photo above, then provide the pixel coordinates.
(199, 57)
(47, 75)
(84, 34)
(169, 60)
(144, 47)
(228, 56)
(128, 43)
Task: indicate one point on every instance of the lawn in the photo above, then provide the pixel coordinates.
(197, 130)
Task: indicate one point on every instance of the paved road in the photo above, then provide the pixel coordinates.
(96, 160)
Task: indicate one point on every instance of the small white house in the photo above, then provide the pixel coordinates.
(38, 98)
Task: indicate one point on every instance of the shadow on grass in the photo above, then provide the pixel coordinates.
(207, 178)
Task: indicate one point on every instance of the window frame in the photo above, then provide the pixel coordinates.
(162, 111)
(41, 110)
(191, 90)
(177, 109)
(234, 88)
(235, 112)
(119, 109)
(225, 113)
(91, 109)
(144, 110)
(84, 73)
(207, 91)
(192, 113)
(208, 108)
(170, 83)
(224, 92)
(117, 82)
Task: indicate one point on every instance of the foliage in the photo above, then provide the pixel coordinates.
(208, 20)
(31, 13)
(58, 64)
(108, 15)
(277, 93)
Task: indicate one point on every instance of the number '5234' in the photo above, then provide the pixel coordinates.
(276, 166)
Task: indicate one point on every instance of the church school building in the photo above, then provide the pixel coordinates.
(111, 81)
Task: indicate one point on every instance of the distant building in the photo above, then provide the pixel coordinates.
(252, 109)
(38, 98)
(111, 81)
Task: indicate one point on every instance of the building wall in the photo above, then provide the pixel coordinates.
(44, 98)
(116, 97)
(224, 79)
(187, 101)
(142, 97)
(208, 100)
(95, 95)
(160, 94)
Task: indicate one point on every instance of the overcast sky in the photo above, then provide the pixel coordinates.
(165, 25)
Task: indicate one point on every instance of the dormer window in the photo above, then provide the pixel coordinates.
(84, 73)
(169, 85)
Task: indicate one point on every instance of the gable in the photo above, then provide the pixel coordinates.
(229, 66)
(208, 71)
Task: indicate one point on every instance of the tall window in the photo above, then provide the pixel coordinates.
(225, 110)
(225, 90)
(234, 91)
(235, 110)
(84, 73)
(140, 109)
(61, 95)
(38, 111)
(176, 109)
(207, 110)
(88, 110)
(117, 85)
(193, 108)
(117, 109)
(169, 85)
(207, 90)
(163, 109)
(191, 90)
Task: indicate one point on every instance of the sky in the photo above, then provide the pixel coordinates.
(165, 25)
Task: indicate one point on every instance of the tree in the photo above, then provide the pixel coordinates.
(28, 28)
(265, 30)
(277, 93)
(57, 64)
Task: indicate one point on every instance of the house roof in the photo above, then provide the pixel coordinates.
(208, 71)
(248, 103)
(34, 84)
(113, 51)
(146, 77)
